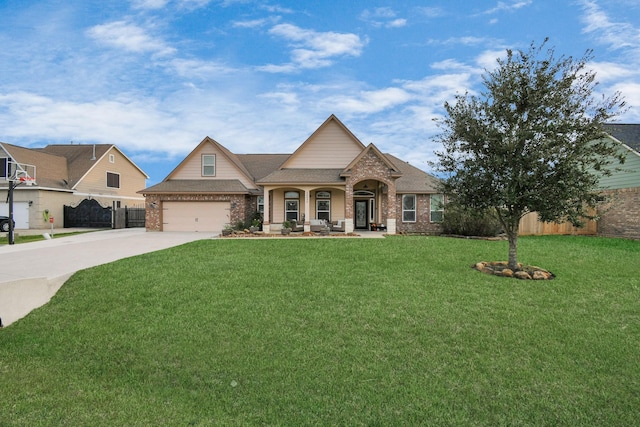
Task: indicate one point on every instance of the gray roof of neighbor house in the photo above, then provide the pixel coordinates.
(628, 134)
(51, 170)
(79, 157)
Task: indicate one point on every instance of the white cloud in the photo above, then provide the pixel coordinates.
(312, 49)
(129, 37)
(132, 122)
(149, 4)
(194, 68)
(382, 17)
(488, 59)
(253, 23)
(431, 12)
(369, 101)
(508, 6)
(465, 41)
(617, 35)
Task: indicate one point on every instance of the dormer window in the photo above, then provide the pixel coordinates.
(208, 165)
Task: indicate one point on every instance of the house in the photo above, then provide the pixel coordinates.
(68, 174)
(621, 216)
(332, 176)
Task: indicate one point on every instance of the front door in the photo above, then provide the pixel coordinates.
(361, 213)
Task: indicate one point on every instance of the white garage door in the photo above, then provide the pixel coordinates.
(20, 213)
(195, 216)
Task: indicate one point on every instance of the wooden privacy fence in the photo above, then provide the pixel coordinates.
(530, 225)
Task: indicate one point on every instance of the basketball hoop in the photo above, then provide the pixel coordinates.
(27, 180)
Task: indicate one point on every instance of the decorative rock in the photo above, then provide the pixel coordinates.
(507, 272)
(522, 275)
(540, 275)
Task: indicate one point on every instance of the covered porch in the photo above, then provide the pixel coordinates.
(351, 207)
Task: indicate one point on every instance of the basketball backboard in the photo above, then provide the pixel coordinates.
(17, 172)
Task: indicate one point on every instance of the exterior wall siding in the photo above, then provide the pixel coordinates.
(224, 169)
(628, 177)
(333, 148)
(131, 179)
(621, 217)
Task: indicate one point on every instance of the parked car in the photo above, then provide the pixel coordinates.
(4, 224)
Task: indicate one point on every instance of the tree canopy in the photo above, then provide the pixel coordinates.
(532, 141)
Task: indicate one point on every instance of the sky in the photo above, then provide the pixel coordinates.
(155, 77)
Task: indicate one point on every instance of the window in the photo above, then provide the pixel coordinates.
(291, 205)
(409, 208)
(208, 165)
(436, 207)
(261, 205)
(113, 180)
(323, 209)
(112, 158)
(323, 205)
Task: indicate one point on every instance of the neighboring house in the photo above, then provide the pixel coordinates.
(621, 216)
(332, 176)
(67, 175)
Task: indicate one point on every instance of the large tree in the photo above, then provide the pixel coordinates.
(532, 141)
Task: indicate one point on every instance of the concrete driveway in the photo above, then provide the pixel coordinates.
(31, 273)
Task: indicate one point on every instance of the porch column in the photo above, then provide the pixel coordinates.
(349, 225)
(266, 222)
(392, 209)
(307, 221)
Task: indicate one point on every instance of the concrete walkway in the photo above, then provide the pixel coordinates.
(31, 273)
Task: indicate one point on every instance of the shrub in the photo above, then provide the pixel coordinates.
(461, 221)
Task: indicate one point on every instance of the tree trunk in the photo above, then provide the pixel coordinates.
(513, 248)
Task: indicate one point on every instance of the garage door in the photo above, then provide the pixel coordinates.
(195, 216)
(20, 213)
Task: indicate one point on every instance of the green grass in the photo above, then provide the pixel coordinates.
(18, 238)
(395, 331)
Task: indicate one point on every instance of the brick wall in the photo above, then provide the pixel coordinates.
(621, 216)
(423, 222)
(371, 166)
(240, 205)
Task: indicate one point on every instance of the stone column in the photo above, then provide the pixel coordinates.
(348, 208)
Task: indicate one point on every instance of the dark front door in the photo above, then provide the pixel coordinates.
(361, 213)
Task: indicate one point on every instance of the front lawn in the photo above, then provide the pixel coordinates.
(395, 331)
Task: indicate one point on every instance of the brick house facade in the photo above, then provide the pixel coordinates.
(331, 177)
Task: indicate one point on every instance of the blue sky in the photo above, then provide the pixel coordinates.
(155, 77)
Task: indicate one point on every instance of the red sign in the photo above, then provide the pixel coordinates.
(51, 219)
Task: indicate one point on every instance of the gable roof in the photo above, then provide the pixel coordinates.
(264, 169)
(82, 158)
(310, 140)
(233, 158)
(628, 134)
(51, 169)
(372, 148)
(63, 166)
